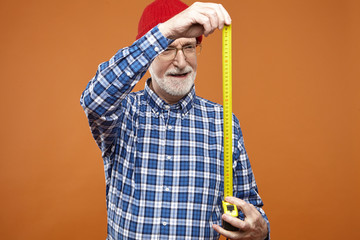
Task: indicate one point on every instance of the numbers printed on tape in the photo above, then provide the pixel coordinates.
(227, 116)
(227, 104)
(228, 208)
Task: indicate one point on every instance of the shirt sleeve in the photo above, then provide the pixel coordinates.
(114, 79)
(244, 183)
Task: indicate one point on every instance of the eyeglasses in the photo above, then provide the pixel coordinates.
(189, 51)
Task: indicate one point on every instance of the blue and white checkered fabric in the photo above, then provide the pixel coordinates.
(163, 163)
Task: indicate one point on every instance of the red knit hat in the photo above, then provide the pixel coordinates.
(160, 11)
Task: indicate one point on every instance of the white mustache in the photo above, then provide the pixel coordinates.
(177, 71)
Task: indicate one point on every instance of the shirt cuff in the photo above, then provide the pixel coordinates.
(153, 43)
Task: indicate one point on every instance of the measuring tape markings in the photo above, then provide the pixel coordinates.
(227, 112)
(227, 118)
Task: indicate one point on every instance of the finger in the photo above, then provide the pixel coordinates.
(226, 15)
(236, 222)
(220, 15)
(248, 209)
(228, 234)
(212, 14)
(213, 11)
(207, 17)
(204, 21)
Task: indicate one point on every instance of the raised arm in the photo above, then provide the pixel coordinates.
(114, 79)
(117, 77)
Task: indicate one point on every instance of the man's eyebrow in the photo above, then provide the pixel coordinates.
(185, 44)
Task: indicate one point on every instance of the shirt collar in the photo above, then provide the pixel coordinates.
(159, 105)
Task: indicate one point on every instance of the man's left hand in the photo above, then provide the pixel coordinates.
(253, 227)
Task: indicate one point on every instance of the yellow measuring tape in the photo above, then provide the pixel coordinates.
(227, 116)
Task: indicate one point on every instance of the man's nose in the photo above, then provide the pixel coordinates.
(180, 60)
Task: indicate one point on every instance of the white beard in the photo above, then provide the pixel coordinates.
(173, 86)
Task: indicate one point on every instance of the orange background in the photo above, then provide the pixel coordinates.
(296, 92)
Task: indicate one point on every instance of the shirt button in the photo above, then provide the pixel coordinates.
(167, 189)
(156, 49)
(167, 107)
(169, 127)
(168, 157)
(164, 223)
(127, 73)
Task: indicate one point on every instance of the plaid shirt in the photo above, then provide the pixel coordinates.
(163, 163)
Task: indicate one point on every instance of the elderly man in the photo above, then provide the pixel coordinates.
(162, 146)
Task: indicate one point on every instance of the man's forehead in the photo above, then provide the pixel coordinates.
(183, 41)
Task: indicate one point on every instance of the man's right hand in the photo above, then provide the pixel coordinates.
(198, 19)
